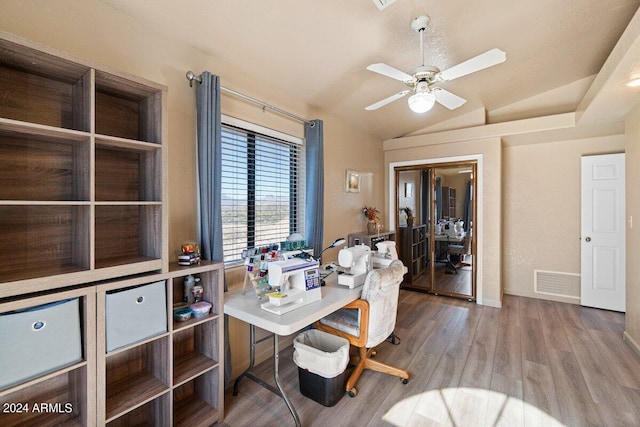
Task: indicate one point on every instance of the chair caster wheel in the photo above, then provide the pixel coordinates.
(405, 381)
(353, 392)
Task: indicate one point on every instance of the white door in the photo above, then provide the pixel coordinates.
(603, 232)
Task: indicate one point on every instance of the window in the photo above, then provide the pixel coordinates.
(262, 187)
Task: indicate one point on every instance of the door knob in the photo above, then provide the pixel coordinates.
(587, 239)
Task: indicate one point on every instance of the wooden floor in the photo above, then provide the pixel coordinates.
(531, 363)
(446, 280)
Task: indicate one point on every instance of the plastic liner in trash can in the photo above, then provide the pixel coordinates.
(322, 359)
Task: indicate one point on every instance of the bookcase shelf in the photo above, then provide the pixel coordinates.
(53, 94)
(37, 167)
(195, 403)
(413, 251)
(42, 240)
(77, 141)
(185, 363)
(83, 213)
(127, 172)
(127, 110)
(135, 376)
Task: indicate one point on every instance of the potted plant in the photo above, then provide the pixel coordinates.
(409, 213)
(373, 221)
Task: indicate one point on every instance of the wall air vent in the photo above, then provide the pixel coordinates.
(556, 283)
(383, 4)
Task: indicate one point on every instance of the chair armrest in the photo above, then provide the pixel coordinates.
(363, 312)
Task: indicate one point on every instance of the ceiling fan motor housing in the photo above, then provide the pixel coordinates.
(423, 86)
(424, 73)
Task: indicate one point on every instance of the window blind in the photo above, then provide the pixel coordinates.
(263, 190)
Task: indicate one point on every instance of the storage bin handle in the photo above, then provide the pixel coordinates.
(38, 326)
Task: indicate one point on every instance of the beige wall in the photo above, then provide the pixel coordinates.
(348, 149)
(93, 31)
(632, 159)
(411, 200)
(418, 148)
(541, 215)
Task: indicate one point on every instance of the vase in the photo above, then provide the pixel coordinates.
(409, 222)
(372, 227)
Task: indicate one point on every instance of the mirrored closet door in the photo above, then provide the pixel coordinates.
(435, 219)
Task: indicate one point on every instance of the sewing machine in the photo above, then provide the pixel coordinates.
(385, 255)
(454, 229)
(296, 282)
(356, 261)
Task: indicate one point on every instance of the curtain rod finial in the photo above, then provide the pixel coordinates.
(191, 77)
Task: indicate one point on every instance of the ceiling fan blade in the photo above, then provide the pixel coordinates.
(484, 60)
(387, 100)
(389, 71)
(448, 99)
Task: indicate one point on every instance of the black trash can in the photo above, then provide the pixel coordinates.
(321, 359)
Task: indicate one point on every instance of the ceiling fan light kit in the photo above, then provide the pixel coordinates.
(424, 80)
(421, 102)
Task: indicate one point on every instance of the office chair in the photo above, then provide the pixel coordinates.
(369, 321)
(458, 249)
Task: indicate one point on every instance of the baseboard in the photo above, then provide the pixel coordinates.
(631, 342)
(491, 303)
(556, 298)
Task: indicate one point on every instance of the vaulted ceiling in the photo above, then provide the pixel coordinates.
(318, 51)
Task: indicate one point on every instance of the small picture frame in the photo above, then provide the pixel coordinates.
(408, 190)
(352, 183)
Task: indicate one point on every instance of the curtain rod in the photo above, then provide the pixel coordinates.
(192, 77)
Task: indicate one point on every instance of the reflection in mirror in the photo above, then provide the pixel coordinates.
(437, 244)
(453, 230)
(413, 219)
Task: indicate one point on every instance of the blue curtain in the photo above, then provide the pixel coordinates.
(425, 196)
(425, 209)
(314, 200)
(209, 153)
(467, 208)
(438, 211)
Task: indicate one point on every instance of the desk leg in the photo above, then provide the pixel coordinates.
(276, 376)
(252, 358)
(446, 260)
(451, 264)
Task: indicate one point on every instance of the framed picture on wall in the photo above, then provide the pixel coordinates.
(352, 184)
(408, 190)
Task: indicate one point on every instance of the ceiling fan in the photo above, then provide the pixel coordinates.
(423, 80)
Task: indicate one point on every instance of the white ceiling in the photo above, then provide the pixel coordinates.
(318, 50)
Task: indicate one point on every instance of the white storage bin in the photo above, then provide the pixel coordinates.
(39, 340)
(135, 314)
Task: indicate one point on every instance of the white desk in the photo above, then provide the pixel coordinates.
(447, 238)
(247, 308)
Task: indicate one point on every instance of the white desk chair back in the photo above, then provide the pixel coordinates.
(380, 290)
(369, 321)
